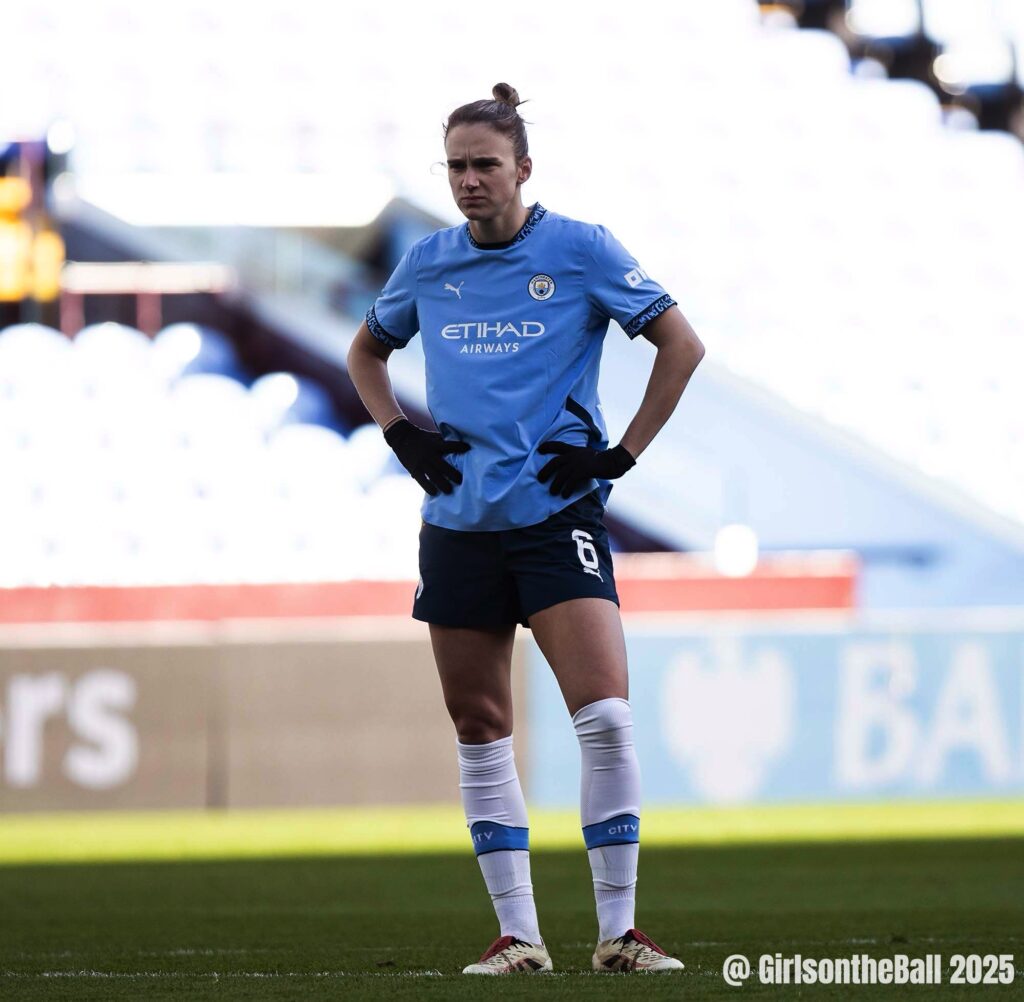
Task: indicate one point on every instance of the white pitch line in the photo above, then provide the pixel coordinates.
(253, 975)
(853, 941)
(700, 971)
(216, 975)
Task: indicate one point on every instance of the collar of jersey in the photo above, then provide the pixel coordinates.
(535, 216)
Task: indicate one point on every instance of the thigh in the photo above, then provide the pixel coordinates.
(582, 641)
(475, 667)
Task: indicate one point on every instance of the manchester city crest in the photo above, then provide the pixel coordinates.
(542, 287)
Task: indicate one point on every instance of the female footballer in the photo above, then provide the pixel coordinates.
(513, 307)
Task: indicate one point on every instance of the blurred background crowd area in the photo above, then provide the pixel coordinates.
(199, 201)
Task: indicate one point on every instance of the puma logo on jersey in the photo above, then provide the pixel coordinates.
(448, 287)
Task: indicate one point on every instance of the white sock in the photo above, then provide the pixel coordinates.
(610, 809)
(614, 871)
(496, 817)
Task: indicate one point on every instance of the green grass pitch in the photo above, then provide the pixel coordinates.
(363, 926)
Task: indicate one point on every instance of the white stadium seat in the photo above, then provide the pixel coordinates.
(116, 472)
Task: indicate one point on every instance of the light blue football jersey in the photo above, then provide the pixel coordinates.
(512, 337)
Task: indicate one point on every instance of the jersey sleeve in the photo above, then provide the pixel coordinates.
(392, 319)
(619, 288)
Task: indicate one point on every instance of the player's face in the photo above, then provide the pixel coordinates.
(482, 170)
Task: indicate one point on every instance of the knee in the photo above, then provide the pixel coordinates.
(480, 733)
(602, 720)
(479, 725)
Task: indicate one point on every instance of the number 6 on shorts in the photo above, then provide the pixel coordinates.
(586, 552)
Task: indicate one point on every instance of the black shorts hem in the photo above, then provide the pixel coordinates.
(490, 624)
(549, 602)
(470, 625)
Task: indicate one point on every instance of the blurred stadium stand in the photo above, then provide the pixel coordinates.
(131, 461)
(847, 256)
(967, 51)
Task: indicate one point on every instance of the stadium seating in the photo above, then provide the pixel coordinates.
(293, 399)
(181, 349)
(830, 238)
(124, 466)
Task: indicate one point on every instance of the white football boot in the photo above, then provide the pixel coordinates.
(508, 955)
(633, 951)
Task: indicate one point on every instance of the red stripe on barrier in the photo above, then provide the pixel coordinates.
(646, 583)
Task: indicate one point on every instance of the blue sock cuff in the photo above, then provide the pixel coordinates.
(620, 830)
(489, 836)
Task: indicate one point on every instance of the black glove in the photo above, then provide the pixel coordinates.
(575, 464)
(421, 452)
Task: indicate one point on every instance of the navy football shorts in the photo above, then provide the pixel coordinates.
(488, 579)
